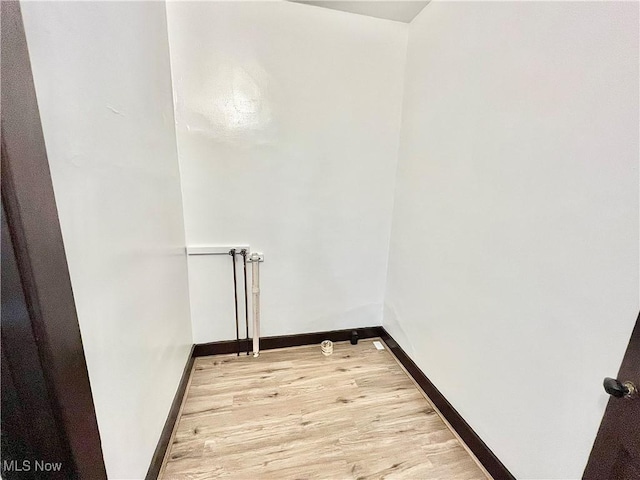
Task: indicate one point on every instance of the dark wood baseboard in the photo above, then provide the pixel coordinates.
(167, 430)
(480, 449)
(269, 343)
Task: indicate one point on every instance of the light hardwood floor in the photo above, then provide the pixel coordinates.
(294, 413)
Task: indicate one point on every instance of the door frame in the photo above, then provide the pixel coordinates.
(32, 218)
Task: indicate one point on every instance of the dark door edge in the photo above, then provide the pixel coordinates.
(32, 219)
(603, 456)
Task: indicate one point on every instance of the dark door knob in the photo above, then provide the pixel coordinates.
(618, 389)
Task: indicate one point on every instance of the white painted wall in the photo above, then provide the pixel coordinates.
(513, 276)
(288, 124)
(103, 83)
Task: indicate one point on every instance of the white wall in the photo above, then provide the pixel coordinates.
(288, 123)
(513, 276)
(103, 83)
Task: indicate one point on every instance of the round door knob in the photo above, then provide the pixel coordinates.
(618, 389)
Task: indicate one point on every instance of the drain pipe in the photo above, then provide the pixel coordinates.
(232, 252)
(243, 252)
(255, 259)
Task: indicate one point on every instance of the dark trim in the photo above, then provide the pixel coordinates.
(34, 229)
(269, 343)
(172, 417)
(480, 449)
(619, 425)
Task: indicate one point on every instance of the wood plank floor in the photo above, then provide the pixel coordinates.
(294, 413)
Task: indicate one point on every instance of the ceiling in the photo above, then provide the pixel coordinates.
(400, 10)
